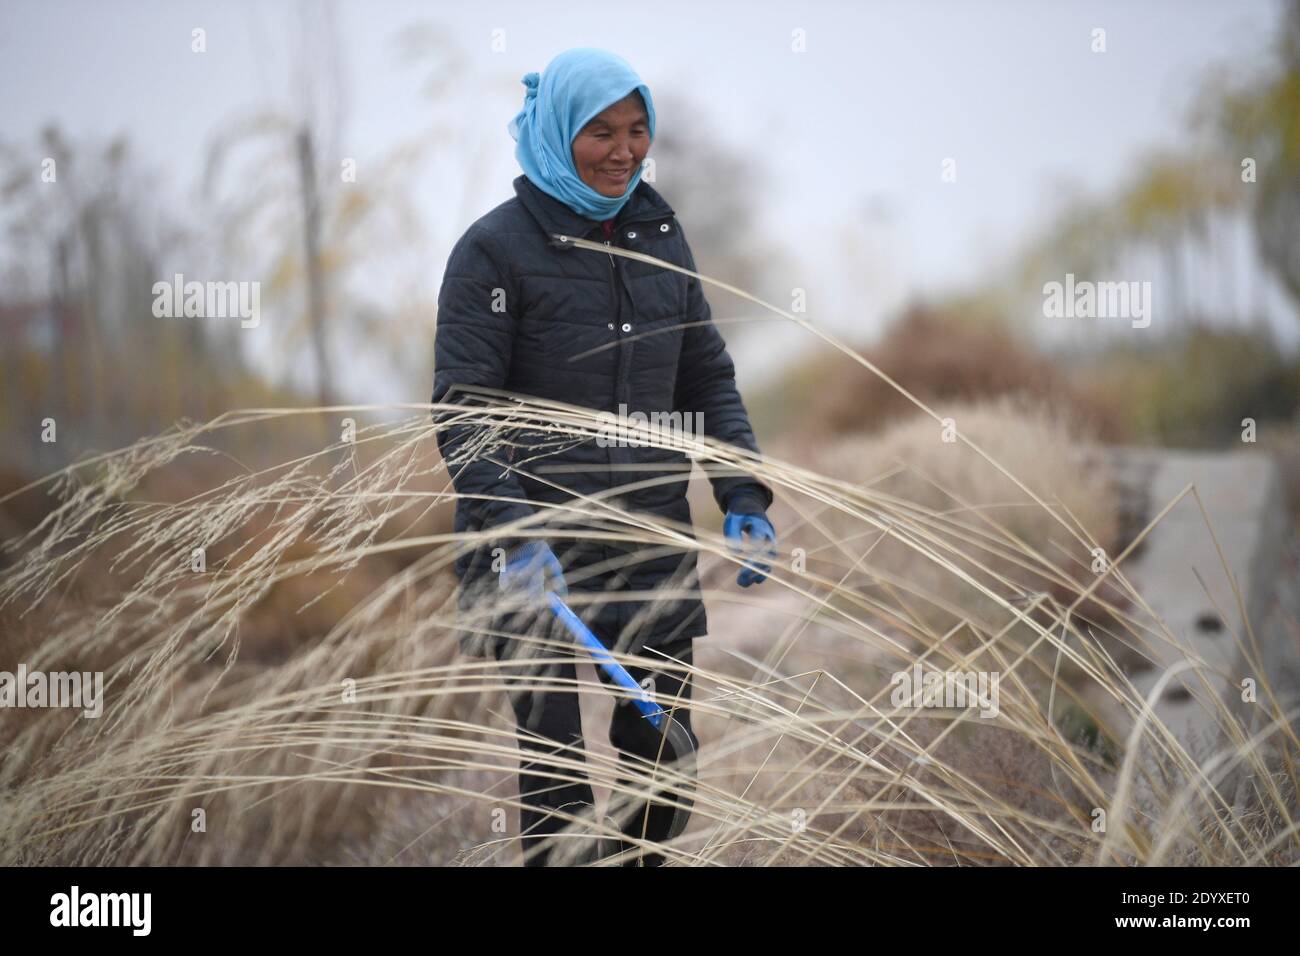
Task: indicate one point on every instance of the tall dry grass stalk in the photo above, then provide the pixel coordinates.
(229, 734)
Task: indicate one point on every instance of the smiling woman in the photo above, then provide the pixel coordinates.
(524, 310)
(612, 145)
(585, 127)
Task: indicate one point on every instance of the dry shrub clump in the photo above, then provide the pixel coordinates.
(975, 518)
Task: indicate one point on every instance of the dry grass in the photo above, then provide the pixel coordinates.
(225, 689)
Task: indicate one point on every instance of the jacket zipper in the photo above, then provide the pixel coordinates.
(610, 453)
(613, 266)
(614, 289)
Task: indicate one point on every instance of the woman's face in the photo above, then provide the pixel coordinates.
(610, 148)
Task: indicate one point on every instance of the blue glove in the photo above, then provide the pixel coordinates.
(527, 568)
(761, 543)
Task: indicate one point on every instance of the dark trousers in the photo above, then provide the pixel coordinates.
(550, 725)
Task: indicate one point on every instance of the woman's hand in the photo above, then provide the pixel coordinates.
(760, 544)
(527, 568)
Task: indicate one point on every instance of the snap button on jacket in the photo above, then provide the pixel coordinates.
(523, 310)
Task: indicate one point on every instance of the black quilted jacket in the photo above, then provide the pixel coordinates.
(522, 311)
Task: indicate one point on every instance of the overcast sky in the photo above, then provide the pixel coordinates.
(851, 131)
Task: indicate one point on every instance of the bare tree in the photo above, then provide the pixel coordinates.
(292, 204)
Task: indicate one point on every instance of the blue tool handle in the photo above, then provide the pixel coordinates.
(617, 673)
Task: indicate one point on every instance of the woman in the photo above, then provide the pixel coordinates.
(523, 310)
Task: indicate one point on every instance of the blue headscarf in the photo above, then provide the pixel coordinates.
(576, 85)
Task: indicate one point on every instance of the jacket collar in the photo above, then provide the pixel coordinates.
(557, 218)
